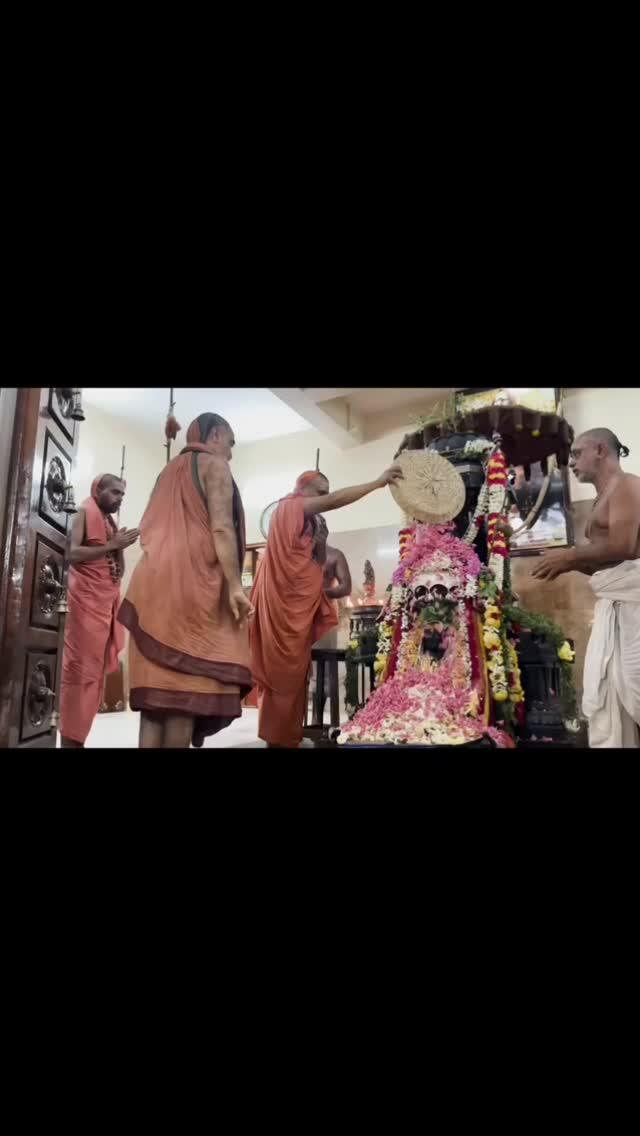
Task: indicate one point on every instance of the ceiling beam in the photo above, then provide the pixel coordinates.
(299, 401)
(323, 394)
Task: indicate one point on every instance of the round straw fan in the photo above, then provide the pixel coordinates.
(432, 490)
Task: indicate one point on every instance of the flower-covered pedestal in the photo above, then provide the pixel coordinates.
(432, 678)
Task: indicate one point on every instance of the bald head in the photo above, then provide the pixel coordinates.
(595, 450)
(110, 493)
(608, 439)
(312, 484)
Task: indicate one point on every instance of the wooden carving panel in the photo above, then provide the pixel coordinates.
(67, 425)
(56, 472)
(45, 591)
(37, 702)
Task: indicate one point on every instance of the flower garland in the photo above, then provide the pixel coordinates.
(476, 447)
(386, 625)
(502, 658)
(437, 539)
(492, 622)
(496, 519)
(478, 515)
(406, 539)
(491, 503)
(516, 693)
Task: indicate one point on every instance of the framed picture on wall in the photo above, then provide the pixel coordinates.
(553, 526)
(547, 498)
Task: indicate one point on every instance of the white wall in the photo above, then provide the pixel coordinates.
(100, 451)
(265, 471)
(616, 408)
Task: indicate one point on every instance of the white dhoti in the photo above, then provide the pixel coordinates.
(611, 689)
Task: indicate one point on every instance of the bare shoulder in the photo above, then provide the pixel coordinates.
(629, 485)
(215, 470)
(79, 527)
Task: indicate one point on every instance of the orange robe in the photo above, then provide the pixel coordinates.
(291, 614)
(92, 637)
(186, 652)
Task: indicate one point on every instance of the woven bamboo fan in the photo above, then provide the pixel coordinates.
(432, 491)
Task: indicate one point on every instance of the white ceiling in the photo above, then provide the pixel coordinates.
(373, 400)
(253, 412)
(342, 414)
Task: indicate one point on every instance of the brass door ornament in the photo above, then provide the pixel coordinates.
(59, 491)
(48, 586)
(39, 695)
(70, 402)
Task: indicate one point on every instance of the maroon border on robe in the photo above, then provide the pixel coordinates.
(198, 705)
(174, 660)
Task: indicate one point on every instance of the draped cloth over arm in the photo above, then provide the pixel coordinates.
(186, 652)
(611, 695)
(291, 614)
(92, 637)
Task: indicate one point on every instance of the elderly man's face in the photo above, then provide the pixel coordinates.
(585, 458)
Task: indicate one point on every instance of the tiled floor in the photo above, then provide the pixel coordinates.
(120, 731)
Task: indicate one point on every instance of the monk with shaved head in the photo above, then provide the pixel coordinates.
(611, 557)
(92, 637)
(185, 606)
(292, 611)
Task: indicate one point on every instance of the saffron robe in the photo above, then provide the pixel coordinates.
(92, 637)
(187, 654)
(291, 614)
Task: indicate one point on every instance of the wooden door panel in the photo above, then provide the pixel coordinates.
(33, 565)
(56, 473)
(55, 407)
(38, 695)
(45, 587)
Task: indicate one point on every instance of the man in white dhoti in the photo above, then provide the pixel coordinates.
(611, 695)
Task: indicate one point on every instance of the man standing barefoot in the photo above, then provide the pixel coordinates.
(291, 609)
(92, 637)
(611, 699)
(185, 606)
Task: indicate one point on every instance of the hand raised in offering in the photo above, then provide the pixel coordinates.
(391, 476)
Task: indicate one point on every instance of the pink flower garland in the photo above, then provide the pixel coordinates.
(438, 538)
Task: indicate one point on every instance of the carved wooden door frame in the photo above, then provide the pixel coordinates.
(33, 565)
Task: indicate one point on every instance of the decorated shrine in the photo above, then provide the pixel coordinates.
(457, 660)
